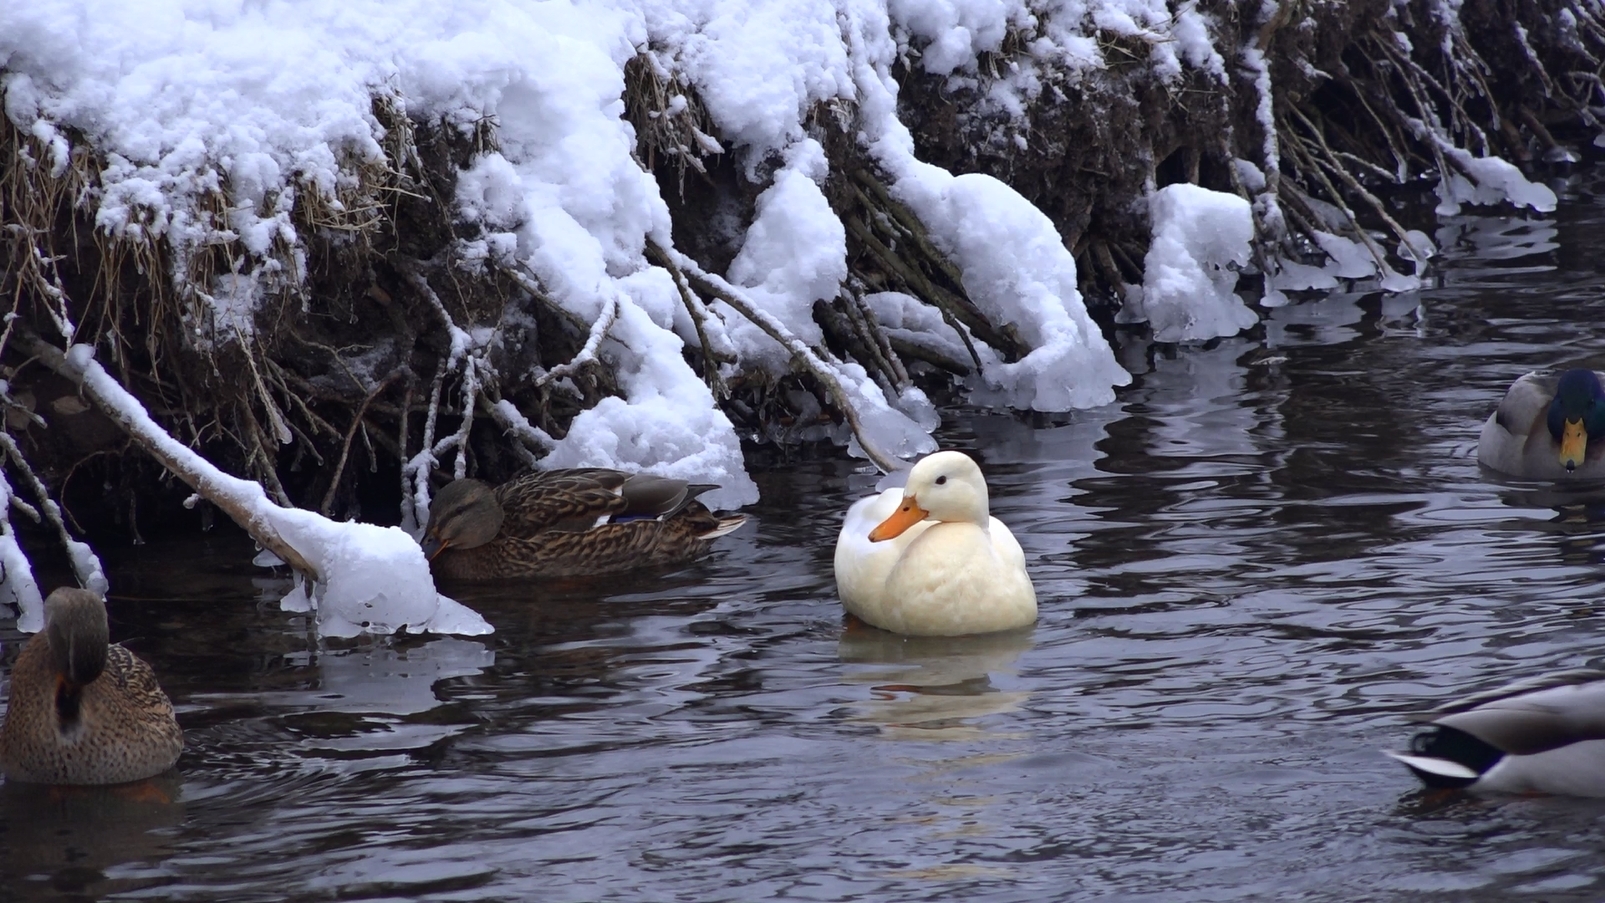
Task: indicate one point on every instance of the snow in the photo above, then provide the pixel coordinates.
(1492, 181)
(233, 301)
(1015, 268)
(795, 252)
(1200, 238)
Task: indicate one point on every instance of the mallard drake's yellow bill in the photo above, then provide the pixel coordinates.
(1573, 444)
(907, 515)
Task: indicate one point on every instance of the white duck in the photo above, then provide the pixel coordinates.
(929, 560)
(1544, 734)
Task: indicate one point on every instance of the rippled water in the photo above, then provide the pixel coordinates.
(1249, 568)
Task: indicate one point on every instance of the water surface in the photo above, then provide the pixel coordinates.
(1250, 567)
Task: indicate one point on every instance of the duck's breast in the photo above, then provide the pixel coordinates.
(1574, 770)
(862, 566)
(957, 578)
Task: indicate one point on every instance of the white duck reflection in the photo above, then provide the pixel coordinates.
(933, 688)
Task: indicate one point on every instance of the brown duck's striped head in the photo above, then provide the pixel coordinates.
(463, 515)
(75, 627)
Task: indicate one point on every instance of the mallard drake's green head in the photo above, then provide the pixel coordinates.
(75, 627)
(1577, 415)
(463, 515)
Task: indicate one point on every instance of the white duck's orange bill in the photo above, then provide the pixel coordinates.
(907, 515)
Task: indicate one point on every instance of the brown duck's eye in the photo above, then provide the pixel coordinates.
(940, 480)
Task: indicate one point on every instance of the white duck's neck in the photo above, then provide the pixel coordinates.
(963, 508)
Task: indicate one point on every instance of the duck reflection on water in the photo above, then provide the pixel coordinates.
(932, 688)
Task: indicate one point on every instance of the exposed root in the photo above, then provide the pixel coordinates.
(801, 355)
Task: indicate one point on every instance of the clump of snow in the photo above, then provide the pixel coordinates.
(1352, 260)
(232, 302)
(371, 579)
(1200, 237)
(952, 34)
(795, 253)
(668, 423)
(1017, 270)
(1013, 261)
(1493, 180)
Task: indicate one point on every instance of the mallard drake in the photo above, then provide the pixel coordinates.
(567, 523)
(84, 711)
(930, 560)
(1543, 734)
(1550, 426)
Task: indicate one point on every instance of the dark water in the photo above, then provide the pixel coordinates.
(1250, 567)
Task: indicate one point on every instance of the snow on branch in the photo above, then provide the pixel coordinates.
(801, 354)
(86, 565)
(357, 577)
(17, 584)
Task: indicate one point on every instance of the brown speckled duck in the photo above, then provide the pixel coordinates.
(82, 710)
(567, 523)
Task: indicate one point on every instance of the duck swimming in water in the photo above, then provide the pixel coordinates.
(566, 523)
(930, 560)
(1550, 426)
(82, 710)
(1544, 734)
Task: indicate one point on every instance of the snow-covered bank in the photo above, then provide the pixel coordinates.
(437, 224)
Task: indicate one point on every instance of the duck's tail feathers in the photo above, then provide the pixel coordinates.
(1435, 772)
(727, 524)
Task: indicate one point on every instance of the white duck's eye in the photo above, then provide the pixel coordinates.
(940, 480)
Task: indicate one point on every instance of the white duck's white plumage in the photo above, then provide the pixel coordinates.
(1544, 735)
(945, 566)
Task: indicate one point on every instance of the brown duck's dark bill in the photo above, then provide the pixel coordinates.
(1573, 445)
(432, 546)
(907, 515)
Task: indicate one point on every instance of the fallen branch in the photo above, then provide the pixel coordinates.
(222, 490)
